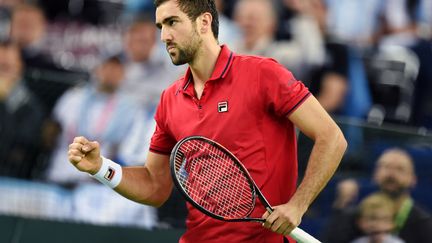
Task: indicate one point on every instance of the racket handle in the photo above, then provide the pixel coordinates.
(302, 237)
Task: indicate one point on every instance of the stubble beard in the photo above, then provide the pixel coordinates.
(187, 53)
(393, 188)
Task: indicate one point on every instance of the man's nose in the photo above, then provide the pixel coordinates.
(165, 35)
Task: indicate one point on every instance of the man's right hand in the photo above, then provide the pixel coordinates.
(85, 155)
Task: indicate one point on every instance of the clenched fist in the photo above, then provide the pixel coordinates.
(85, 155)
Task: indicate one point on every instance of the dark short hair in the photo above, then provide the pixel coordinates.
(194, 8)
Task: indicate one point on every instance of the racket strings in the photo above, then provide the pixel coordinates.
(213, 180)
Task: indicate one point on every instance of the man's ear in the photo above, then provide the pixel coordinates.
(205, 21)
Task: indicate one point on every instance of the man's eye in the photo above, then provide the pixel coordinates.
(172, 22)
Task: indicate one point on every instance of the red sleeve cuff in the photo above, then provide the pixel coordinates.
(298, 104)
(159, 151)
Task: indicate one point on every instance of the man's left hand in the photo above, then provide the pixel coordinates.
(283, 219)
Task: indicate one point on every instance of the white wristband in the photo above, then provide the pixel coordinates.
(109, 174)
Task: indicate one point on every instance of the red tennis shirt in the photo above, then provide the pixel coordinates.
(244, 107)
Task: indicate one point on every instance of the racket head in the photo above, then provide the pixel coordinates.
(212, 179)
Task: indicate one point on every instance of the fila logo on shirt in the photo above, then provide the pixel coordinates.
(223, 106)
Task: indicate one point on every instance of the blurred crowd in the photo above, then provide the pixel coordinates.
(97, 68)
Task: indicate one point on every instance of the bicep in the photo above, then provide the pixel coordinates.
(159, 168)
(311, 118)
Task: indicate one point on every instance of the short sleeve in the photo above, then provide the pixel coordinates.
(281, 92)
(162, 142)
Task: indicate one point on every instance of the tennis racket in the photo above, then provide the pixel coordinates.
(214, 181)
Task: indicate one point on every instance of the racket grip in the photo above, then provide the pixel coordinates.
(302, 237)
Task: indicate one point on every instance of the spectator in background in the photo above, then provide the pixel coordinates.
(20, 116)
(148, 70)
(376, 219)
(353, 22)
(98, 111)
(28, 29)
(258, 21)
(290, 9)
(229, 31)
(395, 176)
(399, 25)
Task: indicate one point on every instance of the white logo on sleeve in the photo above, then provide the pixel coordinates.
(223, 106)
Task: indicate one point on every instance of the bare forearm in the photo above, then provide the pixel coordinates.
(139, 185)
(150, 184)
(323, 162)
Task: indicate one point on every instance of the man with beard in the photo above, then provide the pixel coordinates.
(395, 176)
(249, 104)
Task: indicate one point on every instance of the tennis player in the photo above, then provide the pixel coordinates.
(248, 104)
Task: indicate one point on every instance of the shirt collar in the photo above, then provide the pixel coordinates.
(220, 70)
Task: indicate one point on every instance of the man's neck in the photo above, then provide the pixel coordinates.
(203, 65)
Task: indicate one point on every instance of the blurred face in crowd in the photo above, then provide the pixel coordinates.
(28, 25)
(378, 219)
(394, 173)
(140, 40)
(110, 75)
(256, 18)
(10, 64)
(178, 32)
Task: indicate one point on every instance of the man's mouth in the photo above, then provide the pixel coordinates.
(170, 47)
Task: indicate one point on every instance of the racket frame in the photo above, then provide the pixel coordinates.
(254, 188)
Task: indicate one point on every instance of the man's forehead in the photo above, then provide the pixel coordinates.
(167, 9)
(395, 159)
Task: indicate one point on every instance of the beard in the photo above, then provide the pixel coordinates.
(187, 52)
(393, 188)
